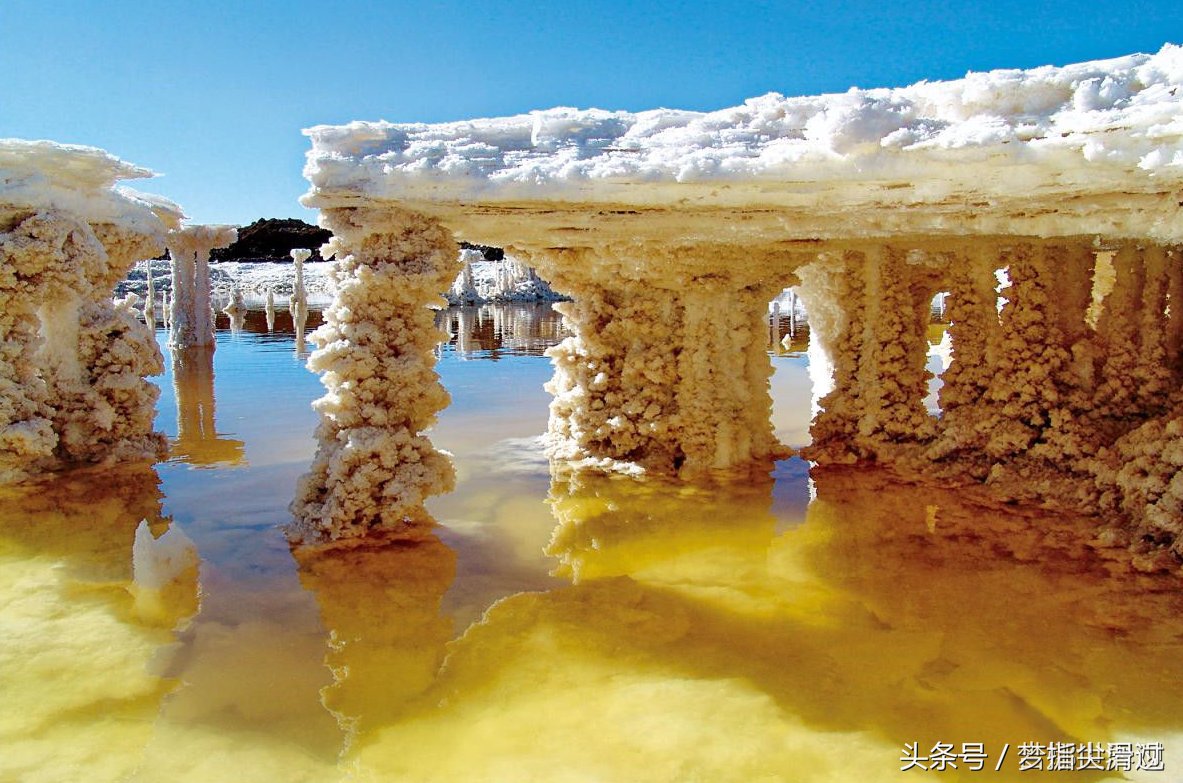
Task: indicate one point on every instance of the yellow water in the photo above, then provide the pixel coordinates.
(554, 627)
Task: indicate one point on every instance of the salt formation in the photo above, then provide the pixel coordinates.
(150, 302)
(463, 290)
(299, 299)
(72, 362)
(673, 230)
(373, 466)
(191, 322)
(269, 309)
(236, 309)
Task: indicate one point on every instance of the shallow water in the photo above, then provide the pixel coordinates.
(554, 627)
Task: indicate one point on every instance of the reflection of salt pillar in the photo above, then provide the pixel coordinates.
(197, 441)
(380, 603)
(464, 328)
(192, 321)
(671, 379)
(373, 467)
(270, 310)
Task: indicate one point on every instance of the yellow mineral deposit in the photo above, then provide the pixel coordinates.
(697, 640)
(89, 617)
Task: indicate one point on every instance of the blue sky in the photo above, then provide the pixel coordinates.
(213, 94)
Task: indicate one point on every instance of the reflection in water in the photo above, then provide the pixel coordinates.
(81, 658)
(299, 312)
(197, 441)
(695, 633)
(695, 642)
(504, 329)
(380, 603)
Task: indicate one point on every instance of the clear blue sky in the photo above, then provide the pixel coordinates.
(213, 94)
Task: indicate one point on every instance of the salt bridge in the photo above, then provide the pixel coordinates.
(1045, 203)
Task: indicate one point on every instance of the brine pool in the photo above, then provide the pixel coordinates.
(842, 626)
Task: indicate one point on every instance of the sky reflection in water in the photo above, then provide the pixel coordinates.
(551, 628)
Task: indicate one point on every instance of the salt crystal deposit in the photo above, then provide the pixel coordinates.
(374, 467)
(192, 319)
(72, 362)
(672, 230)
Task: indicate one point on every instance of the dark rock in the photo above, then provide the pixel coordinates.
(272, 239)
(491, 253)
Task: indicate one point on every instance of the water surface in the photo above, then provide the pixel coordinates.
(553, 626)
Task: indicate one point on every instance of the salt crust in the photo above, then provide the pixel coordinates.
(982, 149)
(72, 362)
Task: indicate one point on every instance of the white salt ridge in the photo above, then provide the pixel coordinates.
(1088, 127)
(46, 175)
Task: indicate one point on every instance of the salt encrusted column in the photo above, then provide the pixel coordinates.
(31, 261)
(1174, 328)
(192, 319)
(869, 312)
(972, 311)
(373, 466)
(299, 299)
(666, 370)
(73, 365)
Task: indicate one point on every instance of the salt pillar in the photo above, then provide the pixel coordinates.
(150, 304)
(373, 466)
(665, 372)
(236, 309)
(192, 318)
(868, 312)
(299, 295)
(269, 309)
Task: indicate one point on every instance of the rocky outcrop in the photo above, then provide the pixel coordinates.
(273, 239)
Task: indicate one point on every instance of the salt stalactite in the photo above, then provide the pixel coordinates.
(972, 311)
(269, 309)
(166, 309)
(192, 316)
(374, 467)
(669, 376)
